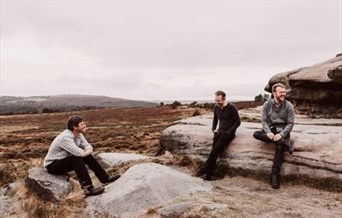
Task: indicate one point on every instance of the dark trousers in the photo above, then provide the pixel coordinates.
(220, 143)
(279, 149)
(78, 164)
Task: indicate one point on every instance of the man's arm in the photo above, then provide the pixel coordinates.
(264, 117)
(290, 120)
(236, 118)
(68, 144)
(215, 120)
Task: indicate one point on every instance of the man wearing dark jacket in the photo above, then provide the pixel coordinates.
(227, 116)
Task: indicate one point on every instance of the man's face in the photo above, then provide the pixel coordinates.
(219, 100)
(81, 127)
(279, 94)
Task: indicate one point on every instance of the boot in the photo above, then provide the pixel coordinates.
(200, 173)
(275, 180)
(91, 190)
(289, 143)
(112, 179)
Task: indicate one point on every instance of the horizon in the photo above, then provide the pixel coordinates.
(200, 100)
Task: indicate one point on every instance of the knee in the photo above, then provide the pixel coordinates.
(76, 160)
(256, 134)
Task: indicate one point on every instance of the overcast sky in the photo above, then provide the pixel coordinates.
(161, 49)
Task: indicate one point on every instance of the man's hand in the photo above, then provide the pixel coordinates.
(270, 135)
(277, 137)
(87, 151)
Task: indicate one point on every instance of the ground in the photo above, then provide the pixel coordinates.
(24, 140)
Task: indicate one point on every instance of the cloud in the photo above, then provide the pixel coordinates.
(150, 49)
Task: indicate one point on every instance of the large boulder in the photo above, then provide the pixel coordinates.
(47, 186)
(314, 90)
(141, 187)
(115, 159)
(317, 153)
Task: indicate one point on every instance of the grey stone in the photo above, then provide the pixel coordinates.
(144, 186)
(317, 152)
(114, 159)
(47, 186)
(5, 203)
(177, 210)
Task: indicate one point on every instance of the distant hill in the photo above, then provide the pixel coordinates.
(61, 103)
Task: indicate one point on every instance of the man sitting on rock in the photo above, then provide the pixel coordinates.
(277, 122)
(229, 120)
(70, 151)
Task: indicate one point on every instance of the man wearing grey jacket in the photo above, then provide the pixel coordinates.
(70, 151)
(277, 122)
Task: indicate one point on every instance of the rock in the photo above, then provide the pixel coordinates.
(317, 153)
(114, 159)
(177, 210)
(314, 90)
(5, 203)
(47, 186)
(336, 74)
(142, 187)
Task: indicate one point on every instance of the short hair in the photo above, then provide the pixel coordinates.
(219, 92)
(73, 121)
(275, 86)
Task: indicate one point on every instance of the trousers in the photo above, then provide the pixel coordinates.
(279, 149)
(78, 164)
(221, 141)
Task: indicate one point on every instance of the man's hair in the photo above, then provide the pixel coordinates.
(219, 92)
(73, 121)
(275, 86)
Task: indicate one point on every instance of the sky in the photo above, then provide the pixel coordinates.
(161, 49)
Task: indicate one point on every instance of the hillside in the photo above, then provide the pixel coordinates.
(63, 103)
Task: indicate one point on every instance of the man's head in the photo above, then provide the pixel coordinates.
(76, 123)
(220, 98)
(279, 92)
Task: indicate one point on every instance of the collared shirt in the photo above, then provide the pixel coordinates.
(65, 145)
(228, 118)
(282, 117)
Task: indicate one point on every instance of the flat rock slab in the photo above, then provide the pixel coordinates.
(114, 159)
(141, 187)
(177, 210)
(317, 153)
(47, 186)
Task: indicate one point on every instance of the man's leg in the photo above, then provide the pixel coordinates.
(92, 163)
(221, 144)
(262, 136)
(204, 167)
(277, 162)
(69, 164)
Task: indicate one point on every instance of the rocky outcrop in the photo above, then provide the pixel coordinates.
(317, 153)
(141, 187)
(47, 186)
(314, 90)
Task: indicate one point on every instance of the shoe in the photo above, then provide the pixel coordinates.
(275, 180)
(289, 143)
(91, 191)
(200, 173)
(208, 178)
(112, 179)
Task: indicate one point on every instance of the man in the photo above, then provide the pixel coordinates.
(70, 151)
(229, 120)
(277, 122)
